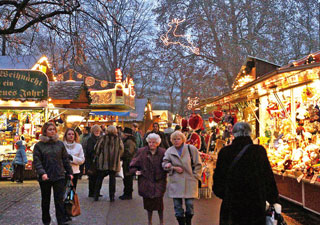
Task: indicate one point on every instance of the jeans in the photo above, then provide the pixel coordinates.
(112, 182)
(58, 193)
(178, 208)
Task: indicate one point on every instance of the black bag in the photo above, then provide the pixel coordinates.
(199, 181)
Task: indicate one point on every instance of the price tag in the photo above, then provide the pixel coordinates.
(300, 178)
(314, 178)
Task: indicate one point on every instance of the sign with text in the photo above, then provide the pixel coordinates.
(23, 85)
(112, 98)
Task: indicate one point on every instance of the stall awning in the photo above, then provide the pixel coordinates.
(109, 113)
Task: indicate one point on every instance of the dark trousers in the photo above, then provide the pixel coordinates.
(75, 180)
(92, 185)
(58, 193)
(112, 182)
(81, 167)
(128, 185)
(18, 173)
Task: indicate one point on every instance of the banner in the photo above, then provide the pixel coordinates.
(23, 84)
(6, 169)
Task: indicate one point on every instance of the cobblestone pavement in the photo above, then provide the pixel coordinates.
(20, 205)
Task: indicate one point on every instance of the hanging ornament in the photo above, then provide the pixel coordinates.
(103, 83)
(60, 77)
(79, 76)
(27, 120)
(89, 81)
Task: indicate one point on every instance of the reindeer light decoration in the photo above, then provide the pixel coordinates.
(178, 37)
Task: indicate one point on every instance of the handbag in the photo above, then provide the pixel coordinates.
(72, 204)
(92, 171)
(192, 166)
(273, 215)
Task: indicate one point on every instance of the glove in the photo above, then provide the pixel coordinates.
(70, 157)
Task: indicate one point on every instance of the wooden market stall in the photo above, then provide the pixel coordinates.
(23, 99)
(286, 110)
(69, 104)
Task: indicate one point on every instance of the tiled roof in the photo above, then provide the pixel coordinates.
(65, 89)
(18, 62)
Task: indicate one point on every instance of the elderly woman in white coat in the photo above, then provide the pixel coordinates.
(184, 165)
(75, 151)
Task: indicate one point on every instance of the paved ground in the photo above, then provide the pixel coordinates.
(20, 205)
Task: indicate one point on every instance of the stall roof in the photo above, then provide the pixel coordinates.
(18, 62)
(109, 113)
(65, 89)
(280, 79)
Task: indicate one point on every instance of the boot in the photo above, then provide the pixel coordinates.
(188, 219)
(181, 220)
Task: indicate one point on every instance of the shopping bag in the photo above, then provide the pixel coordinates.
(273, 215)
(73, 207)
(71, 201)
(120, 173)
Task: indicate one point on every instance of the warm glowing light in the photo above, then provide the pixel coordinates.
(166, 41)
(118, 75)
(40, 67)
(74, 118)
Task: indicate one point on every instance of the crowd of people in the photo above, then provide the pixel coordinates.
(162, 161)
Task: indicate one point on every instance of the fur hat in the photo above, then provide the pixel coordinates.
(127, 130)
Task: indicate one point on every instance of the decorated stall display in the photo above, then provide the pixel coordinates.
(208, 166)
(23, 99)
(293, 141)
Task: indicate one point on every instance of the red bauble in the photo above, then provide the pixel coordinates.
(194, 140)
(184, 123)
(195, 121)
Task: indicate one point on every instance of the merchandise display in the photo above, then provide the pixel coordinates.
(291, 128)
(18, 125)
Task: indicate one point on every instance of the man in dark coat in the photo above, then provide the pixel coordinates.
(164, 143)
(250, 183)
(129, 143)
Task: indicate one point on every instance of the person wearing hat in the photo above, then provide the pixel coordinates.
(129, 151)
(19, 162)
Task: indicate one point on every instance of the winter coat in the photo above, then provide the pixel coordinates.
(139, 141)
(163, 144)
(167, 133)
(152, 181)
(90, 153)
(129, 152)
(76, 151)
(108, 150)
(51, 157)
(21, 156)
(251, 183)
(84, 141)
(184, 185)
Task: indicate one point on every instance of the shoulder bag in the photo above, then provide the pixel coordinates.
(192, 166)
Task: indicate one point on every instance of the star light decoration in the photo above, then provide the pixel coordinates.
(193, 102)
(173, 27)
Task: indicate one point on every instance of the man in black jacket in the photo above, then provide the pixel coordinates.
(164, 143)
(248, 185)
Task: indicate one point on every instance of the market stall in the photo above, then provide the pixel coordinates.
(23, 99)
(69, 104)
(287, 115)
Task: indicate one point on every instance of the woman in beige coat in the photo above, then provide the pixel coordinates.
(184, 165)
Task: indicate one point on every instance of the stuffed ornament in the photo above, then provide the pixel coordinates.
(195, 140)
(195, 122)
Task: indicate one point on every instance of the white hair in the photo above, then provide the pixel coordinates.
(241, 129)
(154, 137)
